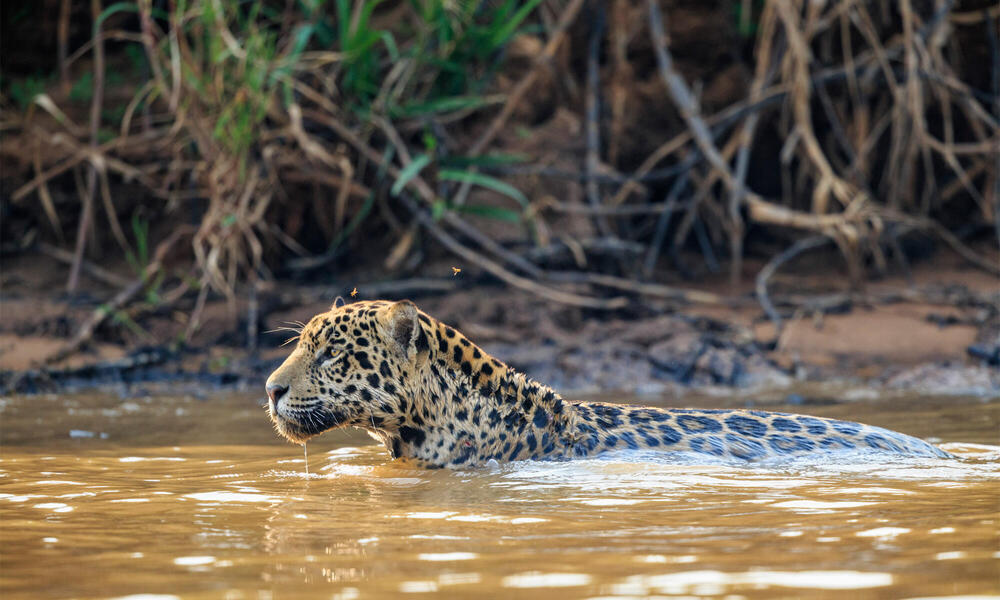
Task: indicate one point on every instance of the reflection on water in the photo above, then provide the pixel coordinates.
(176, 497)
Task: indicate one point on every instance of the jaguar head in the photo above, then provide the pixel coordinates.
(353, 365)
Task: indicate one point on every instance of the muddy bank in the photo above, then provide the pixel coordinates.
(939, 332)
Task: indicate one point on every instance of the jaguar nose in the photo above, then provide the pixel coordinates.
(275, 392)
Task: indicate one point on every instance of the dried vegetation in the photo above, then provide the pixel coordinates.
(263, 138)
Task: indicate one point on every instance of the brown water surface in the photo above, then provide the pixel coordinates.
(103, 496)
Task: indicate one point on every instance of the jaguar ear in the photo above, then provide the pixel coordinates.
(338, 302)
(403, 324)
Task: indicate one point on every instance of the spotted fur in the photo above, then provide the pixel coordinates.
(427, 393)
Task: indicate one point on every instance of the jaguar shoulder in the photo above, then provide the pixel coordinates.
(428, 393)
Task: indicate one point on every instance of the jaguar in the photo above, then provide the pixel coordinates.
(430, 395)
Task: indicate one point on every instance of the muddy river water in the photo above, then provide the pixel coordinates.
(160, 496)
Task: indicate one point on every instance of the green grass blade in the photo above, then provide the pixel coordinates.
(497, 213)
(408, 173)
(501, 35)
(125, 7)
(437, 209)
(485, 181)
(486, 160)
(390, 45)
(443, 105)
(302, 36)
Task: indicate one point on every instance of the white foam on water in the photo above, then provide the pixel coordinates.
(537, 579)
(459, 578)
(193, 561)
(57, 507)
(697, 582)
(819, 505)
(231, 497)
(447, 556)
(883, 532)
(418, 587)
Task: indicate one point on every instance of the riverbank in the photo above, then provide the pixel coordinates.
(938, 332)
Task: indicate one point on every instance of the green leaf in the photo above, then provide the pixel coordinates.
(443, 105)
(485, 181)
(140, 228)
(105, 135)
(115, 8)
(83, 88)
(390, 45)
(507, 30)
(343, 20)
(430, 142)
(437, 209)
(325, 34)
(126, 7)
(136, 57)
(486, 160)
(491, 212)
(409, 172)
(302, 35)
(25, 91)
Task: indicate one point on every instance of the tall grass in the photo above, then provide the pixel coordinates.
(243, 91)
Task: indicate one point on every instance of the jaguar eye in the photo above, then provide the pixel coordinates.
(329, 354)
